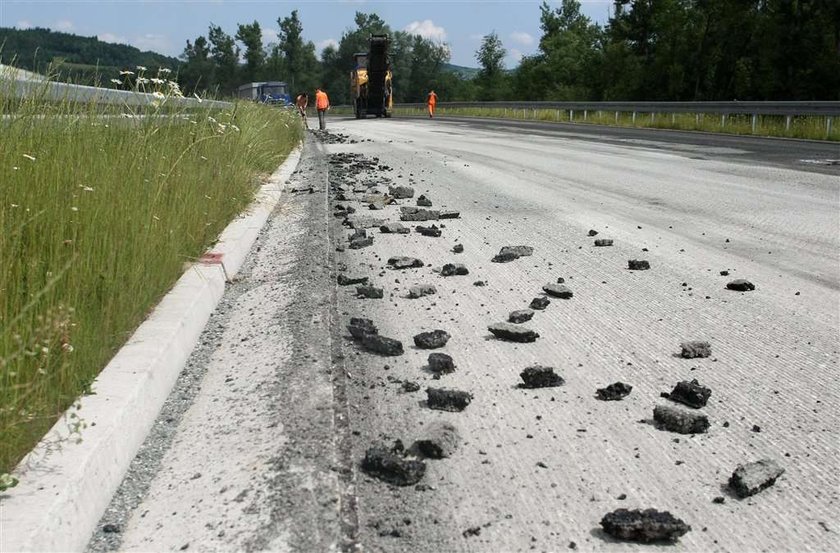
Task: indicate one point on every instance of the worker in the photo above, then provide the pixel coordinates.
(322, 104)
(301, 102)
(431, 101)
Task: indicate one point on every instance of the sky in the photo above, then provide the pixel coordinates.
(164, 26)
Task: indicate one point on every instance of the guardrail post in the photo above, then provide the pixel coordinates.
(557, 115)
(673, 119)
(571, 115)
(651, 117)
(634, 118)
(787, 122)
(505, 112)
(723, 121)
(585, 113)
(535, 113)
(754, 118)
(828, 127)
(616, 118)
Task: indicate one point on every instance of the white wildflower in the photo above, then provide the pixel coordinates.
(29, 157)
(197, 97)
(155, 80)
(142, 80)
(74, 208)
(15, 168)
(155, 217)
(164, 70)
(158, 95)
(116, 81)
(141, 68)
(15, 205)
(126, 72)
(87, 189)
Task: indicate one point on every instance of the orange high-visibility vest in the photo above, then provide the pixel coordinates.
(321, 100)
(432, 100)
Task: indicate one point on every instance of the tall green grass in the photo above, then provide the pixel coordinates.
(99, 210)
(810, 127)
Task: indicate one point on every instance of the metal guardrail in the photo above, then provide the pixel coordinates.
(792, 108)
(55, 91)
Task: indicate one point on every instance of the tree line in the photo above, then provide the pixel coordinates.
(682, 50)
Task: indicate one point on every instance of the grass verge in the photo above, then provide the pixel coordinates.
(808, 127)
(99, 211)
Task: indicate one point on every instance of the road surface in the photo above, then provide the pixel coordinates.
(260, 445)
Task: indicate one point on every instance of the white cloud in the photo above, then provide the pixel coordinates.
(522, 38)
(321, 44)
(269, 35)
(63, 25)
(514, 57)
(153, 42)
(426, 29)
(111, 37)
(24, 24)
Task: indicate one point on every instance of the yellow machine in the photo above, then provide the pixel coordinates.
(371, 80)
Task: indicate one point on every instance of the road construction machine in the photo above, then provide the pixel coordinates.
(371, 80)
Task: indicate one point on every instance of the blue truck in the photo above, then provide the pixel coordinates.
(268, 92)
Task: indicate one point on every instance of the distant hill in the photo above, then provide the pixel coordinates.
(461, 71)
(69, 57)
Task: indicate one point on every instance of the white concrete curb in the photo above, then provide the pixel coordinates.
(66, 484)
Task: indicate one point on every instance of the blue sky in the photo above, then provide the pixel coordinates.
(165, 25)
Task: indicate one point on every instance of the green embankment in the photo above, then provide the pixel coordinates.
(99, 212)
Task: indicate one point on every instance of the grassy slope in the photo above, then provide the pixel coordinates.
(98, 216)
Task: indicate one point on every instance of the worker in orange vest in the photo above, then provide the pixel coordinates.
(322, 104)
(431, 101)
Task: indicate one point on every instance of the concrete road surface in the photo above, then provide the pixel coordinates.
(260, 446)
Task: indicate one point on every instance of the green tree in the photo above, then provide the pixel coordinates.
(251, 37)
(299, 63)
(225, 55)
(198, 71)
(491, 80)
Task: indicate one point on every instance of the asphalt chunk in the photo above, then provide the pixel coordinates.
(394, 228)
(690, 393)
(421, 290)
(695, 349)
(602, 242)
(359, 327)
(402, 262)
(444, 399)
(453, 269)
(394, 468)
(423, 201)
(740, 285)
(441, 363)
(539, 303)
(382, 345)
(680, 420)
(645, 526)
(520, 316)
(432, 231)
(754, 477)
(614, 392)
(440, 440)
(401, 192)
(539, 376)
(432, 340)
(558, 291)
(344, 280)
(638, 265)
(458, 248)
(513, 332)
(371, 292)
